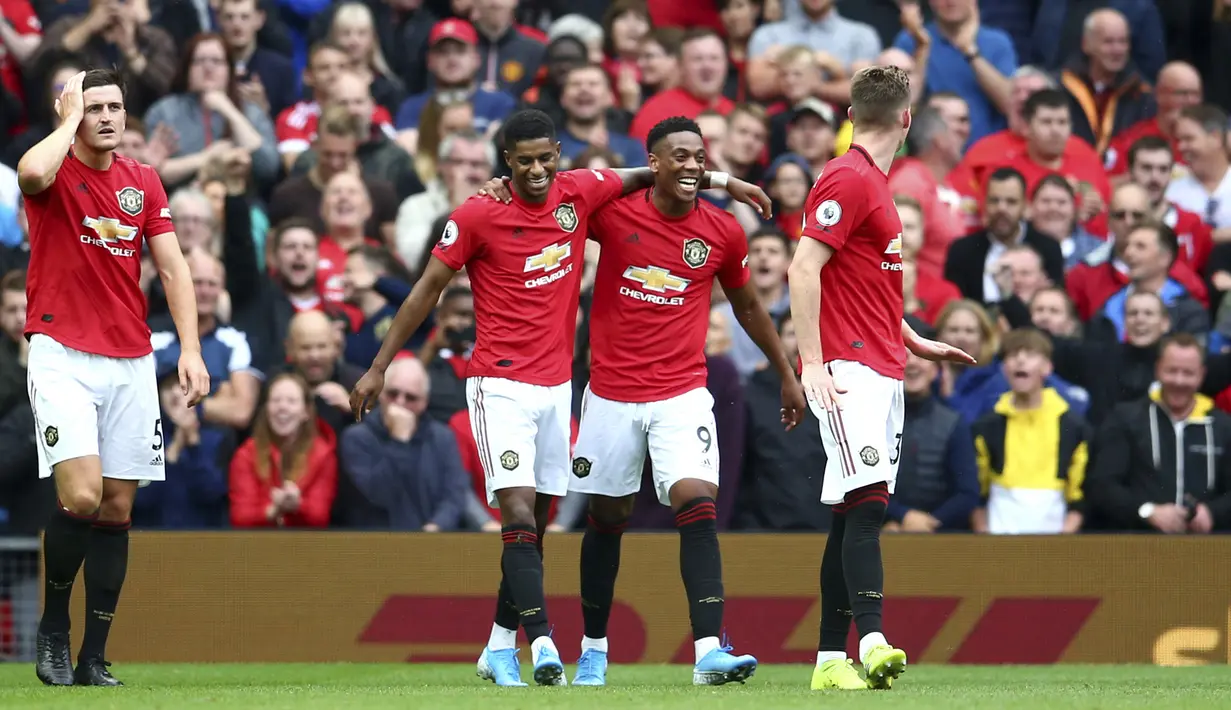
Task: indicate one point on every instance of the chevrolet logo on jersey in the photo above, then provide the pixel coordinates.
(108, 233)
(548, 261)
(654, 278)
(895, 249)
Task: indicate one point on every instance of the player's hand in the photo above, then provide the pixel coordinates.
(939, 352)
(367, 389)
(498, 189)
(194, 378)
(71, 106)
(820, 387)
(793, 403)
(750, 194)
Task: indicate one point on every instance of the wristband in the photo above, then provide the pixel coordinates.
(719, 180)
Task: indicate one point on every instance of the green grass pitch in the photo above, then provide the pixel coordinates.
(454, 687)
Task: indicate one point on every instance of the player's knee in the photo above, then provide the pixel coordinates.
(80, 496)
(115, 509)
(686, 490)
(517, 507)
(608, 511)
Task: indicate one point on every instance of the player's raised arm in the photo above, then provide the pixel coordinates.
(751, 195)
(413, 311)
(38, 167)
(182, 302)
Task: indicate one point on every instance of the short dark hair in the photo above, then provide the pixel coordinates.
(1029, 339)
(287, 225)
(95, 78)
(693, 34)
(770, 232)
(14, 280)
(1211, 118)
(667, 126)
(1053, 180)
(1007, 174)
(1166, 236)
(669, 38)
(1178, 340)
(454, 292)
(1044, 98)
(527, 125)
(1148, 144)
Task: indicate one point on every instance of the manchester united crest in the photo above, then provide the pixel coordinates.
(696, 253)
(132, 200)
(51, 436)
(581, 467)
(566, 217)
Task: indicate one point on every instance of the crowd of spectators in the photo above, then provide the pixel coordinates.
(1065, 195)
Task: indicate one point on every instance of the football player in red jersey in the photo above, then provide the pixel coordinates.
(91, 375)
(524, 260)
(854, 340)
(662, 250)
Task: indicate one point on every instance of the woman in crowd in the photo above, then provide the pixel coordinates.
(354, 30)
(286, 475)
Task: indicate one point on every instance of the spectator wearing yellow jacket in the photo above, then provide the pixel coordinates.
(1031, 449)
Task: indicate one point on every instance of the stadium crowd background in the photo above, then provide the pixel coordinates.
(313, 150)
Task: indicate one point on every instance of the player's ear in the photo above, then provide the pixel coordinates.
(906, 119)
(652, 161)
(507, 160)
(850, 114)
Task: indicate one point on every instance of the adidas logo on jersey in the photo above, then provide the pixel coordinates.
(157, 461)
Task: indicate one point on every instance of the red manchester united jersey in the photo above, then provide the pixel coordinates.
(525, 262)
(851, 209)
(652, 295)
(86, 230)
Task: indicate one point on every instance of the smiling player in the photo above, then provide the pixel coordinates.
(91, 375)
(524, 261)
(662, 250)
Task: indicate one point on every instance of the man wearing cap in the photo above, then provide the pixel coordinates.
(810, 132)
(453, 62)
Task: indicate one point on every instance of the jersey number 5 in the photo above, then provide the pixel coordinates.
(157, 435)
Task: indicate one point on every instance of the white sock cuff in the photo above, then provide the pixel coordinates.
(589, 644)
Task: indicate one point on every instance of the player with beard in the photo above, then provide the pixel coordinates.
(524, 261)
(851, 253)
(91, 375)
(662, 250)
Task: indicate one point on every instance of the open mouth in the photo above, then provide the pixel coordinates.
(106, 131)
(538, 183)
(688, 185)
(1020, 376)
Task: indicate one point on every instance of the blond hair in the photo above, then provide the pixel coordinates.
(879, 95)
(990, 340)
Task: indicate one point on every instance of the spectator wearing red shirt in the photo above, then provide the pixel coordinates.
(1048, 132)
(1003, 147)
(20, 34)
(739, 19)
(703, 70)
(1151, 164)
(1179, 86)
(936, 150)
(674, 13)
(1104, 272)
(286, 475)
(929, 293)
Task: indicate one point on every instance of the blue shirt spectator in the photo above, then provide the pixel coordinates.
(949, 70)
(489, 107)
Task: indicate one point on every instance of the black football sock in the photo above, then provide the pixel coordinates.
(106, 564)
(835, 601)
(506, 608)
(64, 548)
(861, 555)
(523, 569)
(701, 565)
(600, 563)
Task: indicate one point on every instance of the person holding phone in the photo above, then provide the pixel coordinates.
(446, 352)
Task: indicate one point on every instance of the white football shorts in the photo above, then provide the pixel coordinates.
(863, 440)
(93, 405)
(614, 438)
(522, 432)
